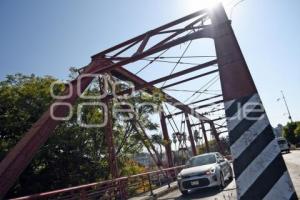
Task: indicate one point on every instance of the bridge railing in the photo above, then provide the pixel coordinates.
(120, 188)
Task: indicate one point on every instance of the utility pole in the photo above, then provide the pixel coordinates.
(286, 105)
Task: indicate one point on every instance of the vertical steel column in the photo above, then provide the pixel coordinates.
(216, 135)
(167, 141)
(189, 127)
(260, 170)
(110, 139)
(205, 136)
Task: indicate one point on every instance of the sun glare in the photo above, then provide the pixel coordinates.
(195, 5)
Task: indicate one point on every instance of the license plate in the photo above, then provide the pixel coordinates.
(193, 183)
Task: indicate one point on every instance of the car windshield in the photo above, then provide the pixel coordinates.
(201, 160)
(281, 141)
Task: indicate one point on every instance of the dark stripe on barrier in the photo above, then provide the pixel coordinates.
(238, 103)
(264, 183)
(245, 124)
(253, 150)
(294, 196)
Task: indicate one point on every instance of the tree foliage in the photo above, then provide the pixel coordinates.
(158, 140)
(73, 155)
(292, 132)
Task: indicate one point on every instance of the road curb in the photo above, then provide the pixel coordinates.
(160, 193)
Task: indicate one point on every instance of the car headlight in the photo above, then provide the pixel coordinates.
(211, 171)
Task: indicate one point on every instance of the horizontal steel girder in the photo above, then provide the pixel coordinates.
(173, 101)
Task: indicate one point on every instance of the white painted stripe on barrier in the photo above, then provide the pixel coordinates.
(283, 189)
(227, 104)
(256, 167)
(243, 112)
(249, 136)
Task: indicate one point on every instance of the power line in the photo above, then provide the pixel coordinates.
(171, 118)
(208, 84)
(172, 62)
(185, 50)
(183, 57)
(151, 61)
(194, 91)
(232, 8)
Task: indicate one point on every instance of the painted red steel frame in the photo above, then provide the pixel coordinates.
(109, 137)
(197, 107)
(237, 84)
(191, 137)
(157, 30)
(169, 99)
(162, 79)
(189, 79)
(205, 136)
(102, 185)
(216, 96)
(20, 156)
(185, 109)
(167, 141)
(138, 81)
(204, 33)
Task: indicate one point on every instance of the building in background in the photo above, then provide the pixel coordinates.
(143, 159)
(278, 131)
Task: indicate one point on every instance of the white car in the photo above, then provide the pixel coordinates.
(206, 170)
(283, 144)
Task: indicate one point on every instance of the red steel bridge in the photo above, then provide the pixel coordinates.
(258, 165)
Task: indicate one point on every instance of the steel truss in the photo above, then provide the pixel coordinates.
(111, 61)
(211, 24)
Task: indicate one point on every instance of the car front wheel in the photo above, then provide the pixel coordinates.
(184, 192)
(222, 181)
(231, 174)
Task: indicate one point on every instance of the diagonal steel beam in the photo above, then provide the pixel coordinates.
(124, 74)
(201, 13)
(139, 86)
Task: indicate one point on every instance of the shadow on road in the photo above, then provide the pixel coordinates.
(200, 193)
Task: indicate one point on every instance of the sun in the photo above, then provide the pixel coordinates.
(195, 5)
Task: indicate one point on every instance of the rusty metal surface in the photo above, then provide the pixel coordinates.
(205, 136)
(166, 138)
(257, 158)
(181, 106)
(20, 156)
(191, 136)
(200, 13)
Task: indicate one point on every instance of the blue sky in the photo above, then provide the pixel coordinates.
(47, 37)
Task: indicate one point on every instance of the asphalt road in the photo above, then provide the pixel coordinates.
(229, 192)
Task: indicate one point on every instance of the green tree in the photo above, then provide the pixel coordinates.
(73, 155)
(297, 132)
(67, 158)
(158, 140)
(291, 132)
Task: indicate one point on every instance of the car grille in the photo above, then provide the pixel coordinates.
(192, 175)
(202, 183)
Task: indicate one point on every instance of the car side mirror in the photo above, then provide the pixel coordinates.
(187, 166)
